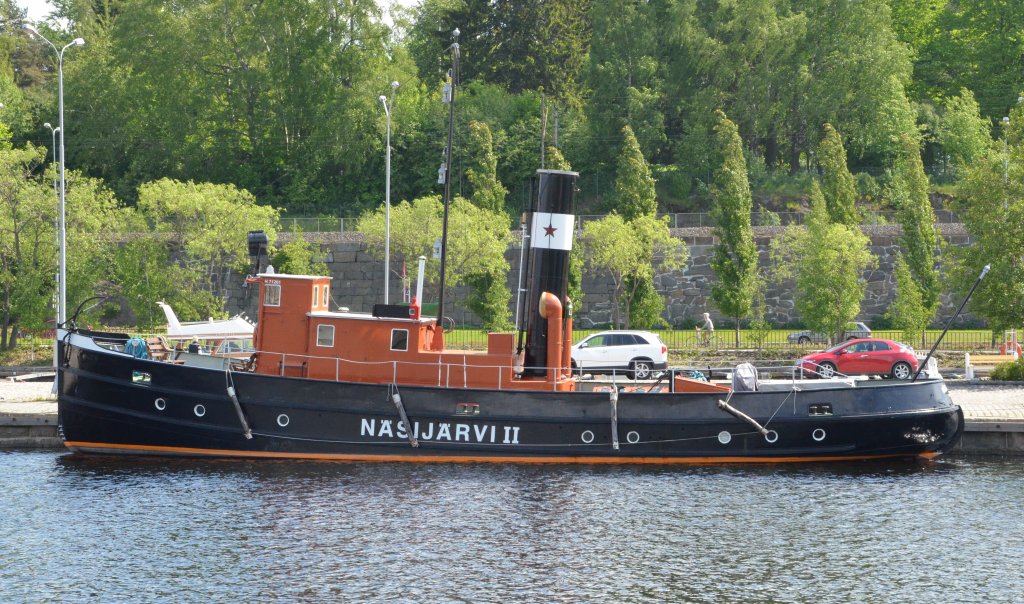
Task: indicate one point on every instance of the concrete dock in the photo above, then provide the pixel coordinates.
(994, 412)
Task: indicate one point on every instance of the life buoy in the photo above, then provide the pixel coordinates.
(1004, 348)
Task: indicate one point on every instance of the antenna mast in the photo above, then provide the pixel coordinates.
(453, 82)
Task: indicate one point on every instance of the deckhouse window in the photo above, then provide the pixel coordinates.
(325, 336)
(399, 339)
(326, 297)
(272, 295)
(316, 295)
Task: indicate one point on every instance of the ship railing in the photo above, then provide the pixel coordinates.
(776, 370)
(448, 372)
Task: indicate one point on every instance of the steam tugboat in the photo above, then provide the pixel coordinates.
(382, 386)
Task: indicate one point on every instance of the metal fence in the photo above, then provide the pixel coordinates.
(677, 220)
(318, 224)
(688, 340)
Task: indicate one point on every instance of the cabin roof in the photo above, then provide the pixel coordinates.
(287, 276)
(363, 316)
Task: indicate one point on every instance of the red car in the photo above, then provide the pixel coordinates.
(866, 356)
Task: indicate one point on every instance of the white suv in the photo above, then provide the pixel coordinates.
(641, 353)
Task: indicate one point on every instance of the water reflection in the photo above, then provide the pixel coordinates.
(148, 529)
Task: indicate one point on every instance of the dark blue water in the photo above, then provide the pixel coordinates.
(75, 529)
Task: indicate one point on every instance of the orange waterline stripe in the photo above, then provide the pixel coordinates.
(478, 459)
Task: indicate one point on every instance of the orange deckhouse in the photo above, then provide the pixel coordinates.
(310, 340)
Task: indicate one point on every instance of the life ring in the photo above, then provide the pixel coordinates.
(1004, 348)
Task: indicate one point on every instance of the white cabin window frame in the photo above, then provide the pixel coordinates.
(327, 298)
(400, 339)
(272, 294)
(316, 296)
(325, 336)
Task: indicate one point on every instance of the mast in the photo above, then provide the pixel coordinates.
(920, 368)
(453, 81)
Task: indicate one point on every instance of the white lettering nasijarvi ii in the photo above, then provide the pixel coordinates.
(440, 431)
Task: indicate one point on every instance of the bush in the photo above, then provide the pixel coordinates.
(1010, 372)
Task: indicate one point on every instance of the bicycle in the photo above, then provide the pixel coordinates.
(706, 337)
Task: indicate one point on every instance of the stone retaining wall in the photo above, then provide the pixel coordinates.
(359, 279)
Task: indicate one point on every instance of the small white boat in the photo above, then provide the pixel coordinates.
(206, 343)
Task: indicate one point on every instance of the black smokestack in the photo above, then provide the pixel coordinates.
(551, 222)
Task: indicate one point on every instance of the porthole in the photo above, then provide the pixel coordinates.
(282, 420)
(587, 437)
(818, 435)
(633, 437)
(160, 404)
(772, 436)
(199, 410)
(724, 437)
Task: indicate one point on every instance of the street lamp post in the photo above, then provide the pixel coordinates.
(56, 220)
(53, 134)
(62, 286)
(388, 104)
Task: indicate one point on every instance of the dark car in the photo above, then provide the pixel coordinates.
(866, 356)
(853, 331)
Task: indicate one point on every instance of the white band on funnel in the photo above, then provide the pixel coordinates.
(552, 231)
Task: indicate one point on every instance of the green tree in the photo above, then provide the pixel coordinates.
(622, 251)
(277, 98)
(97, 223)
(521, 45)
(991, 207)
(622, 74)
(838, 185)
(299, 255)
(962, 132)
(26, 241)
(908, 310)
(554, 160)
(857, 74)
(142, 271)
(209, 223)
(913, 21)
(634, 185)
(635, 198)
(827, 262)
(977, 45)
(780, 70)
(477, 259)
(748, 56)
(735, 255)
(478, 239)
(482, 172)
(908, 193)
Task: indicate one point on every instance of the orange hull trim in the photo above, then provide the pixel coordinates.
(142, 449)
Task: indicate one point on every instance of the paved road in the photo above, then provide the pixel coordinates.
(989, 402)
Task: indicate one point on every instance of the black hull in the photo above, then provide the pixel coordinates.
(178, 410)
